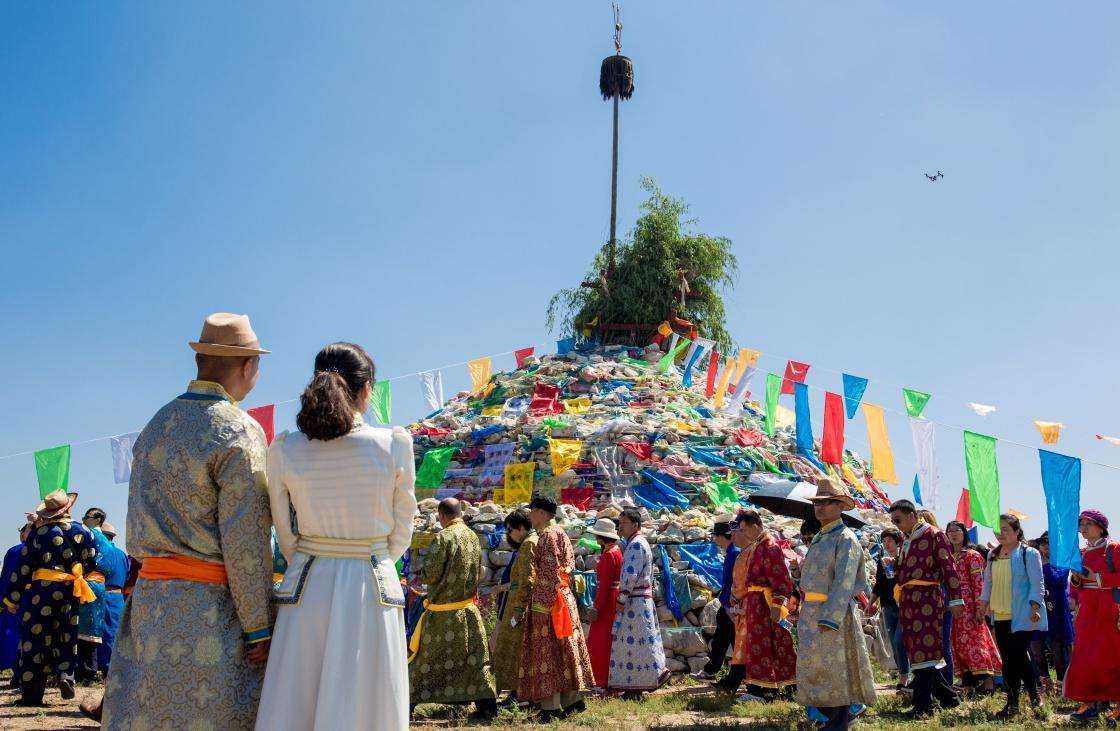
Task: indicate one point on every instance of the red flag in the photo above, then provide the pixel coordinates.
(832, 443)
(641, 450)
(713, 366)
(964, 509)
(747, 438)
(523, 355)
(795, 373)
(265, 417)
(546, 400)
(580, 497)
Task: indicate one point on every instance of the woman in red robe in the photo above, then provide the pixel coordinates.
(975, 655)
(1094, 667)
(607, 574)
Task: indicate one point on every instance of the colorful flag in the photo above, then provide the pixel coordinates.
(519, 482)
(915, 401)
(667, 360)
(495, 410)
(523, 355)
(565, 345)
(1061, 481)
(1110, 440)
(804, 425)
(52, 468)
(1050, 430)
(713, 366)
(724, 378)
(121, 447)
(964, 512)
(479, 369)
(854, 388)
(564, 453)
(882, 458)
(917, 492)
(431, 385)
(381, 402)
(795, 373)
(266, 417)
(546, 400)
(922, 432)
(579, 405)
(983, 478)
(832, 441)
(981, 409)
(434, 465)
(773, 386)
(695, 352)
(496, 457)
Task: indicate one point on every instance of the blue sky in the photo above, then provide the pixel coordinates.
(420, 178)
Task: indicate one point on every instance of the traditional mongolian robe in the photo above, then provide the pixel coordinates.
(925, 565)
(113, 562)
(10, 621)
(46, 587)
(452, 663)
(637, 653)
(763, 647)
(91, 615)
(554, 657)
(833, 668)
(974, 648)
(1094, 668)
(608, 573)
(198, 518)
(513, 603)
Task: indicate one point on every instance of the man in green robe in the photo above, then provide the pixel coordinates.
(450, 661)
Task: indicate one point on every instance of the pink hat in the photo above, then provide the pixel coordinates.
(1096, 516)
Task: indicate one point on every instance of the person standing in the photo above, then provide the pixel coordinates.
(925, 576)
(555, 666)
(450, 660)
(724, 636)
(194, 636)
(1058, 637)
(886, 568)
(637, 653)
(49, 585)
(513, 602)
(975, 656)
(338, 658)
(833, 667)
(1093, 675)
(113, 562)
(10, 621)
(608, 574)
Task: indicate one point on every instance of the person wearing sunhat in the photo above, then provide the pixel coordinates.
(608, 572)
(833, 667)
(194, 636)
(46, 588)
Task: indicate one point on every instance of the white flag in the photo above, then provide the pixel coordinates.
(431, 382)
(735, 403)
(1110, 440)
(922, 432)
(122, 456)
(981, 409)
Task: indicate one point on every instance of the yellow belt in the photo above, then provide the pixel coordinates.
(414, 643)
(769, 596)
(912, 582)
(82, 589)
(815, 596)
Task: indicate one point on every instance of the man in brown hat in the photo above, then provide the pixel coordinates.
(195, 634)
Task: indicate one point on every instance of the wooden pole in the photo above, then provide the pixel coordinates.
(614, 192)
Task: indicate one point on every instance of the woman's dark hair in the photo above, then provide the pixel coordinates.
(893, 533)
(328, 403)
(517, 519)
(632, 515)
(903, 506)
(957, 523)
(1012, 521)
(749, 516)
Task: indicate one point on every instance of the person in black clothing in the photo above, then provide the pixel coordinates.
(884, 598)
(725, 626)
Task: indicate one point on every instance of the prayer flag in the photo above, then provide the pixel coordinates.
(695, 352)
(495, 410)
(917, 491)
(713, 366)
(52, 468)
(804, 426)
(795, 373)
(785, 417)
(1050, 430)
(915, 401)
(667, 360)
(434, 465)
(523, 355)
(773, 386)
(516, 406)
(564, 453)
(983, 478)
(381, 402)
(519, 482)
(670, 594)
(832, 441)
(641, 450)
(981, 409)
(1061, 481)
(479, 369)
(546, 400)
(496, 457)
(964, 512)
(1110, 440)
(121, 447)
(922, 432)
(265, 416)
(854, 388)
(882, 458)
(431, 384)
(721, 387)
(565, 345)
(579, 405)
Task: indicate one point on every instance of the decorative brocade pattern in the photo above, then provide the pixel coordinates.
(974, 648)
(926, 555)
(762, 645)
(508, 638)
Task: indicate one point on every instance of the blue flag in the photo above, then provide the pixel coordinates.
(686, 381)
(565, 346)
(854, 386)
(917, 491)
(705, 561)
(667, 585)
(804, 427)
(1061, 481)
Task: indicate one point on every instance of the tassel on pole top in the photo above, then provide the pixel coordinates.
(616, 75)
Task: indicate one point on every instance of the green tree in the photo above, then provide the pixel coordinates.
(663, 268)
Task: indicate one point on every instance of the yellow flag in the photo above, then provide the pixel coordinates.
(565, 453)
(480, 373)
(579, 405)
(519, 482)
(493, 410)
(721, 386)
(784, 417)
(747, 357)
(850, 476)
(1015, 513)
(684, 425)
(499, 495)
(1050, 430)
(882, 459)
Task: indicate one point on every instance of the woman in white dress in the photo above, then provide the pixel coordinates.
(343, 499)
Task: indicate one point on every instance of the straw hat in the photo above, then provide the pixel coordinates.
(229, 335)
(829, 489)
(605, 527)
(53, 505)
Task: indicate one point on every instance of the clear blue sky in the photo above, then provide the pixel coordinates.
(421, 177)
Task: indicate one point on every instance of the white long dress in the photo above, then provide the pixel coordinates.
(338, 658)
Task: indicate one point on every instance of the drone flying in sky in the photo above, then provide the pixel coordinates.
(933, 178)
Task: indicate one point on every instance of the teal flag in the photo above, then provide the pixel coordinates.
(983, 478)
(52, 467)
(434, 465)
(1061, 482)
(773, 390)
(668, 358)
(854, 388)
(381, 402)
(915, 401)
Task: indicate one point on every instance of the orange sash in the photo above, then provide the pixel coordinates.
(183, 568)
(561, 617)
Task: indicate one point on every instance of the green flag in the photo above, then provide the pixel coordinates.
(381, 402)
(52, 467)
(721, 491)
(432, 468)
(773, 389)
(915, 401)
(668, 358)
(983, 478)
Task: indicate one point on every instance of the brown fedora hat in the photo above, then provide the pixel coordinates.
(228, 334)
(55, 504)
(829, 489)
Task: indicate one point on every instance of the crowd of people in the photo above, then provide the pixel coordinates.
(196, 624)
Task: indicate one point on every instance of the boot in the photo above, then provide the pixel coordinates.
(66, 688)
(1011, 710)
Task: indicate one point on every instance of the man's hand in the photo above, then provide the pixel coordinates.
(592, 614)
(258, 652)
(957, 610)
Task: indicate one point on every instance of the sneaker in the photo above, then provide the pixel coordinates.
(66, 688)
(815, 715)
(856, 710)
(703, 675)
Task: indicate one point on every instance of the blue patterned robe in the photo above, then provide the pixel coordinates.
(9, 622)
(637, 654)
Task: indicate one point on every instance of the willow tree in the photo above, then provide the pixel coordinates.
(664, 268)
